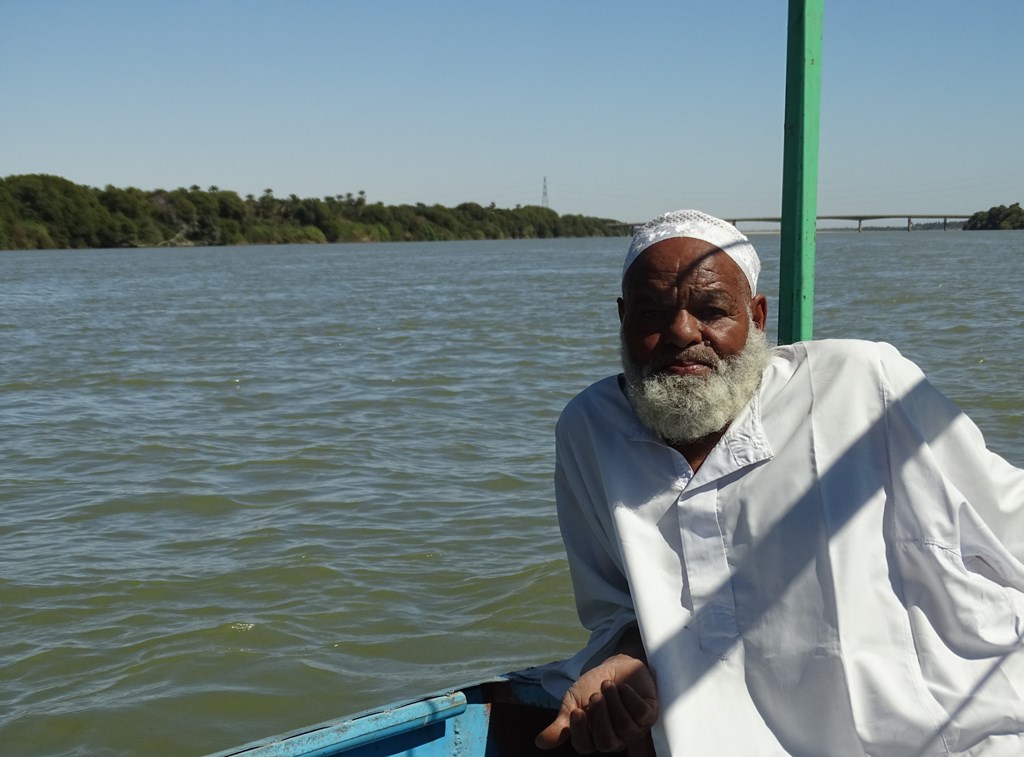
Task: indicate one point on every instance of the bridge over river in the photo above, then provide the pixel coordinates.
(859, 218)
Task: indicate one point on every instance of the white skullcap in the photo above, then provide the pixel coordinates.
(697, 225)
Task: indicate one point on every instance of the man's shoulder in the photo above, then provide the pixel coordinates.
(605, 390)
(855, 369)
(845, 353)
(594, 402)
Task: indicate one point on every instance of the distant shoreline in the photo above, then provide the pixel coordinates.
(39, 211)
(48, 212)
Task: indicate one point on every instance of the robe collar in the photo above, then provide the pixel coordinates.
(743, 444)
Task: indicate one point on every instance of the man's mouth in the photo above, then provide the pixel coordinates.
(686, 364)
(689, 368)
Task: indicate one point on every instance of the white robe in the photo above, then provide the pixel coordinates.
(841, 576)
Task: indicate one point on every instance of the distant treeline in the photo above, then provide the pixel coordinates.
(997, 217)
(49, 212)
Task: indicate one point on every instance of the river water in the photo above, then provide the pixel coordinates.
(248, 489)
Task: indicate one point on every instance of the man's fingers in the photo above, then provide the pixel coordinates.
(555, 734)
(643, 712)
(599, 718)
(621, 721)
(579, 729)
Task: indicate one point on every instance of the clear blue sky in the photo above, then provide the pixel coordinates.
(627, 109)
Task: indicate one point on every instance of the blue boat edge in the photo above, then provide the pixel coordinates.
(494, 717)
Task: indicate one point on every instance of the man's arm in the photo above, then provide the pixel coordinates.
(611, 706)
(993, 487)
(612, 700)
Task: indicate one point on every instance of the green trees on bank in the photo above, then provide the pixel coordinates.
(997, 217)
(47, 212)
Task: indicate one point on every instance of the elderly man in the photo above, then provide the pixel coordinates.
(804, 550)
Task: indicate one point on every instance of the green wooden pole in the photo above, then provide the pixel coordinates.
(800, 171)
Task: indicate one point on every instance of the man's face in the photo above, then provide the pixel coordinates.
(682, 300)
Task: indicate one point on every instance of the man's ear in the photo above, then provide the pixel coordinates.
(759, 311)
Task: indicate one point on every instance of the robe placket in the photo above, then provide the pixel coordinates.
(705, 546)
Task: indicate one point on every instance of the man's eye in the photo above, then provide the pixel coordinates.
(712, 314)
(650, 313)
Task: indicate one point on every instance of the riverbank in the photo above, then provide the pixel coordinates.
(49, 212)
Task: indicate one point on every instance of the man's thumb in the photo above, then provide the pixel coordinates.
(555, 734)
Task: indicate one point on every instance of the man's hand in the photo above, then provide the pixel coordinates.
(609, 708)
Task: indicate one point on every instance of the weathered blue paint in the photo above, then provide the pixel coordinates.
(449, 724)
(409, 728)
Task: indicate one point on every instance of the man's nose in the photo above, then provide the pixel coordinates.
(684, 329)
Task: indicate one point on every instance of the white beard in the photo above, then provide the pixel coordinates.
(683, 409)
